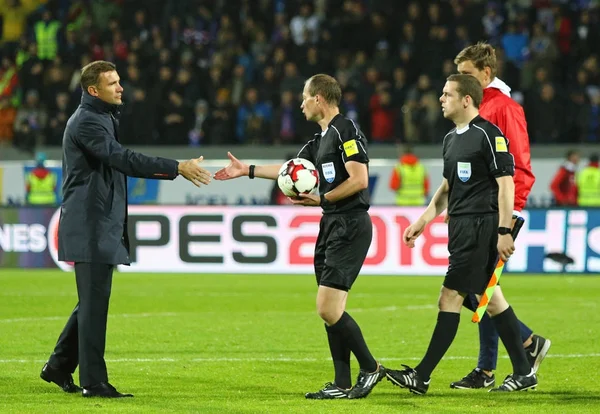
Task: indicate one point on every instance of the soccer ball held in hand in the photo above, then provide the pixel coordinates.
(297, 176)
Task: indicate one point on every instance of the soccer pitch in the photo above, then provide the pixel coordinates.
(186, 343)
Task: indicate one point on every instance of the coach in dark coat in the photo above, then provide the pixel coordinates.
(93, 224)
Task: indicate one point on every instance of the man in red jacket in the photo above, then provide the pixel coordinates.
(479, 60)
(563, 185)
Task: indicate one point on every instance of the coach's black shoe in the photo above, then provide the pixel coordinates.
(408, 378)
(536, 352)
(103, 389)
(329, 392)
(63, 379)
(475, 379)
(366, 381)
(517, 383)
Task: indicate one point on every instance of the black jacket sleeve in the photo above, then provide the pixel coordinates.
(97, 141)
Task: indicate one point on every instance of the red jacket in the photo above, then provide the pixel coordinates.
(382, 120)
(563, 185)
(499, 108)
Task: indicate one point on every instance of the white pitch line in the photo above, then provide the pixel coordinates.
(281, 359)
(170, 314)
(65, 317)
(392, 308)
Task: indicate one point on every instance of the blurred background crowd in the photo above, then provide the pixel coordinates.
(222, 72)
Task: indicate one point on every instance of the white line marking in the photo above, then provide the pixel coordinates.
(171, 314)
(281, 359)
(392, 308)
(65, 317)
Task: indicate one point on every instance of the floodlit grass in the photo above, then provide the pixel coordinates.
(254, 344)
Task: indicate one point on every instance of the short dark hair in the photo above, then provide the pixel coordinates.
(594, 158)
(468, 86)
(90, 73)
(481, 54)
(326, 86)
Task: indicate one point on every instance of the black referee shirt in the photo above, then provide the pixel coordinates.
(473, 158)
(341, 142)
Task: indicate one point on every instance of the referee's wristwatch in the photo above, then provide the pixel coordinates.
(504, 230)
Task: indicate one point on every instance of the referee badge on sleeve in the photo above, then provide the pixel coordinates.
(350, 148)
(501, 144)
(464, 171)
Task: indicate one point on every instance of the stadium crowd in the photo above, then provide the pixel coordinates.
(207, 72)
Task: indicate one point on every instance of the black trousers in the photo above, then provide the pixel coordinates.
(83, 339)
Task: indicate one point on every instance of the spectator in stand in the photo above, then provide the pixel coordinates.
(8, 113)
(292, 81)
(176, 118)
(304, 26)
(220, 128)
(286, 119)
(253, 119)
(593, 118)
(30, 122)
(563, 185)
(212, 39)
(46, 33)
(198, 132)
(57, 119)
(9, 81)
(546, 114)
(586, 37)
(492, 24)
(350, 107)
(514, 43)
(382, 115)
(13, 14)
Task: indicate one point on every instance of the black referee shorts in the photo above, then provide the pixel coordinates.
(341, 249)
(472, 243)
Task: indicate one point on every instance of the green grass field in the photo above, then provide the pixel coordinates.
(254, 344)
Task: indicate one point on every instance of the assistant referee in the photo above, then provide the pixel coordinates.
(478, 191)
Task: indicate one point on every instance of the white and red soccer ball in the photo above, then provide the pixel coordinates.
(297, 176)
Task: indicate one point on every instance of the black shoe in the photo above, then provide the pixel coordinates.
(366, 381)
(517, 383)
(103, 389)
(475, 379)
(63, 379)
(329, 392)
(408, 378)
(536, 352)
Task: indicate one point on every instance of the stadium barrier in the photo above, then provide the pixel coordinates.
(271, 240)
(238, 192)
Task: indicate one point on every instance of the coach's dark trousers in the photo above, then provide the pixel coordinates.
(83, 339)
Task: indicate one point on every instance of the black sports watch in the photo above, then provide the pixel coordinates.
(504, 230)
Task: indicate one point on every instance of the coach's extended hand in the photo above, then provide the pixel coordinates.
(190, 170)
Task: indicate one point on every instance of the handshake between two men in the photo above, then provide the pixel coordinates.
(192, 171)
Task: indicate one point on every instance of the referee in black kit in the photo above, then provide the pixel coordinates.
(340, 154)
(478, 191)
